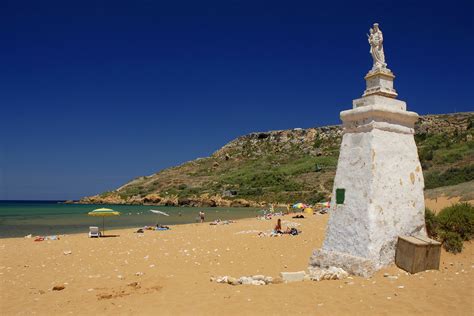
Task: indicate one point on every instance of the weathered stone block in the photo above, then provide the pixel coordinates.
(292, 276)
(352, 264)
(331, 273)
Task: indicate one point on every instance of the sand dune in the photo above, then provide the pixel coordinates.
(168, 272)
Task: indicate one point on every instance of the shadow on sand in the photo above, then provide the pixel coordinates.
(107, 236)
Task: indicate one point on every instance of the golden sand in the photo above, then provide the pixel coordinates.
(168, 272)
(437, 204)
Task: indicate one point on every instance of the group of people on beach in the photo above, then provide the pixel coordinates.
(288, 230)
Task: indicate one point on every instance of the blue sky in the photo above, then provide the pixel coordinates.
(95, 93)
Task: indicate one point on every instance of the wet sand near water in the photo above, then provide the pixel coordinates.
(168, 273)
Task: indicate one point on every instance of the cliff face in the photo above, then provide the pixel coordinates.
(291, 165)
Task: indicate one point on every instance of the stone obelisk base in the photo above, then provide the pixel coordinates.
(354, 265)
(378, 188)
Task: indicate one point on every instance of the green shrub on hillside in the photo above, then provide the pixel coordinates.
(451, 176)
(431, 223)
(246, 192)
(318, 142)
(425, 154)
(316, 197)
(452, 242)
(455, 152)
(298, 166)
(451, 226)
(182, 186)
(189, 191)
(105, 194)
(130, 191)
(306, 164)
(458, 218)
(443, 149)
(431, 141)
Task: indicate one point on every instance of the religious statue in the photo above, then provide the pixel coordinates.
(376, 48)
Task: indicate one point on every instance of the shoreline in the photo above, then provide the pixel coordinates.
(124, 229)
(22, 219)
(14, 228)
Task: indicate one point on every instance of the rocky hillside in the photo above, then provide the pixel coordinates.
(292, 165)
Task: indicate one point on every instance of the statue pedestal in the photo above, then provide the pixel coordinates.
(380, 82)
(378, 188)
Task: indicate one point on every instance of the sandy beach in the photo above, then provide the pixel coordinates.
(437, 204)
(168, 272)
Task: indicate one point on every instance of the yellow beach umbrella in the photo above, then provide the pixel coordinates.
(103, 212)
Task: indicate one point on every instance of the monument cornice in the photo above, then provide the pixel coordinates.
(383, 126)
(380, 73)
(367, 118)
(382, 111)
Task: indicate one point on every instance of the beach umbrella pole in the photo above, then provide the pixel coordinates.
(103, 226)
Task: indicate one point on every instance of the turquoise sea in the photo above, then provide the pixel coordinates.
(20, 218)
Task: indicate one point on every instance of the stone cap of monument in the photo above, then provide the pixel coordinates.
(375, 99)
(378, 116)
(379, 81)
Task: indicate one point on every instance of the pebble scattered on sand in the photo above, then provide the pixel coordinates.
(58, 287)
(331, 273)
(245, 280)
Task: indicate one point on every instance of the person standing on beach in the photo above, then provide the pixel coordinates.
(201, 216)
(277, 229)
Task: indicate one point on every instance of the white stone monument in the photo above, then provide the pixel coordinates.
(378, 188)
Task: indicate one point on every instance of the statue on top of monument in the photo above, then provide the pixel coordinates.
(376, 48)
